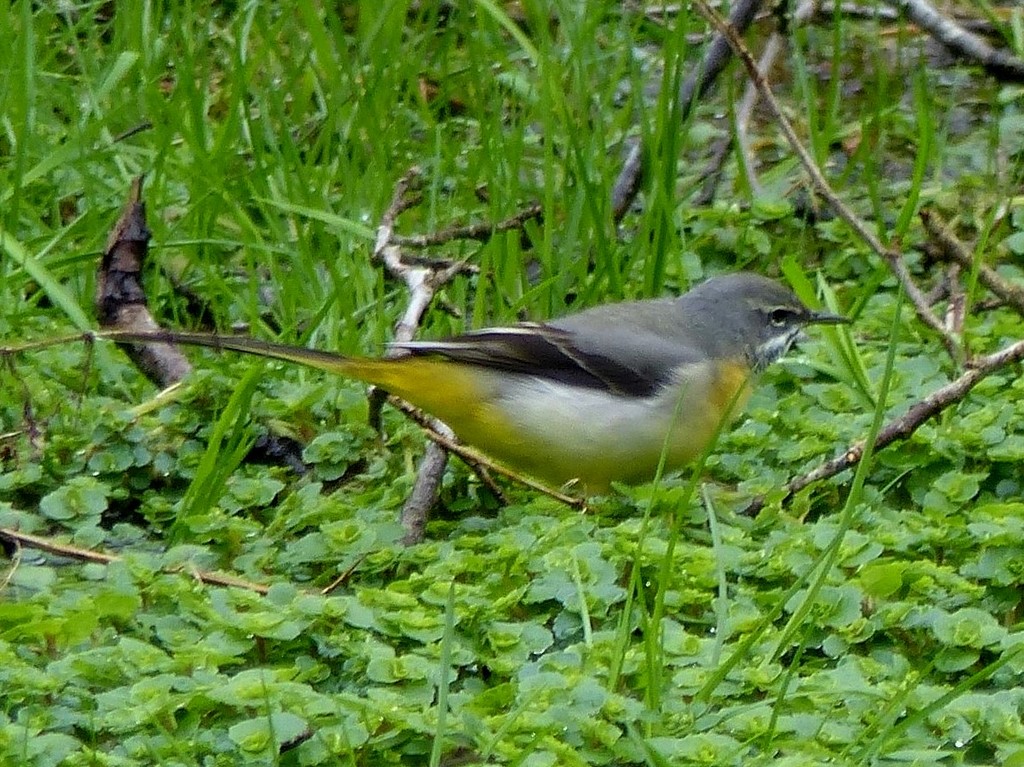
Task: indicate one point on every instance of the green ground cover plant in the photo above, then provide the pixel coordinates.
(873, 618)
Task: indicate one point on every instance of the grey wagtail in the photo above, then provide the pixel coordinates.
(594, 397)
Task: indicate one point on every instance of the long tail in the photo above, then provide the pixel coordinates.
(329, 361)
(465, 396)
(450, 391)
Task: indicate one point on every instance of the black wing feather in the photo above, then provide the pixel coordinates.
(542, 351)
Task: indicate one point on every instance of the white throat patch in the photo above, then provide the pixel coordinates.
(774, 348)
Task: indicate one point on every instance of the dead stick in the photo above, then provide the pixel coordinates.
(29, 541)
(951, 248)
(418, 280)
(904, 426)
(891, 257)
(482, 231)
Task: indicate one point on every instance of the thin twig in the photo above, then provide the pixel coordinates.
(40, 543)
(420, 282)
(343, 578)
(141, 127)
(481, 231)
(697, 83)
(903, 427)
(892, 257)
(422, 279)
(745, 110)
(952, 249)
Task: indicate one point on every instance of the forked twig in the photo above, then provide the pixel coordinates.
(952, 249)
(481, 231)
(422, 281)
(892, 257)
(904, 426)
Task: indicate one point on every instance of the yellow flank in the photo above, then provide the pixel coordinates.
(453, 392)
(468, 398)
(558, 433)
(732, 388)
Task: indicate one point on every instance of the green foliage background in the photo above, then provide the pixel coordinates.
(881, 628)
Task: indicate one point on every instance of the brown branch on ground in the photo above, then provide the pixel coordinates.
(696, 84)
(891, 256)
(121, 300)
(1000, 64)
(903, 427)
(482, 231)
(40, 543)
(952, 249)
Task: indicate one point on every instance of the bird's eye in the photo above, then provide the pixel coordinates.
(781, 316)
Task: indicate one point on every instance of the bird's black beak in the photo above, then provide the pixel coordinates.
(826, 318)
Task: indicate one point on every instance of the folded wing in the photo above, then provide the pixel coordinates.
(545, 352)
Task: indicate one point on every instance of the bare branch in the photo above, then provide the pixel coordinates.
(1000, 64)
(40, 543)
(422, 279)
(700, 79)
(892, 257)
(904, 426)
(481, 230)
(952, 249)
